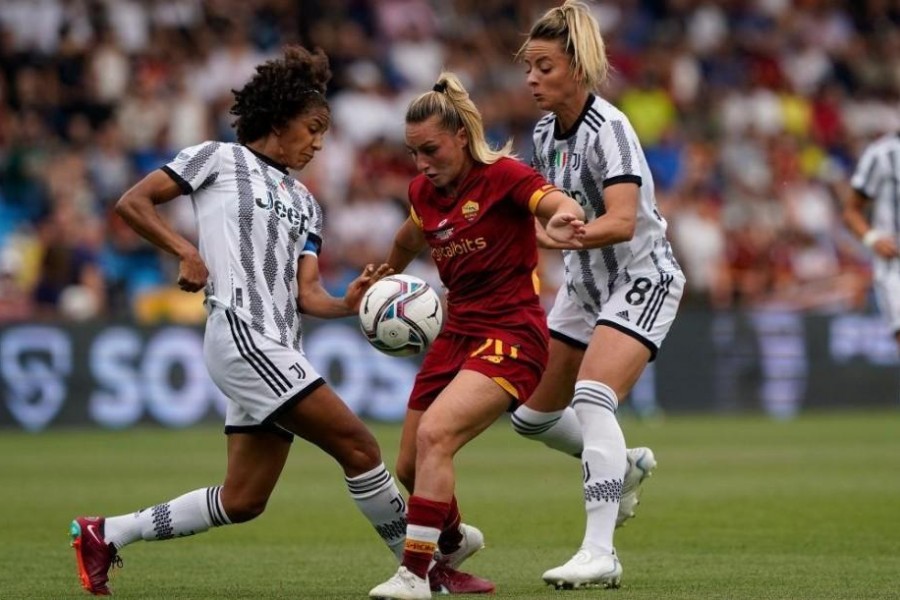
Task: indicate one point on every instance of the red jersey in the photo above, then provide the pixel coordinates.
(484, 246)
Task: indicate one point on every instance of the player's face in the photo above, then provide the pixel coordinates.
(549, 74)
(302, 137)
(441, 155)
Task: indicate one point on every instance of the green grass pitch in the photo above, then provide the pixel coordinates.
(738, 508)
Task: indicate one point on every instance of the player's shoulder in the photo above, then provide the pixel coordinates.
(885, 142)
(419, 187)
(545, 124)
(602, 112)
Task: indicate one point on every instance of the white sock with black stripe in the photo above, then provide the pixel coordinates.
(603, 460)
(558, 429)
(191, 513)
(377, 497)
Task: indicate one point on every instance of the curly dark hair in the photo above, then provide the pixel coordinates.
(281, 89)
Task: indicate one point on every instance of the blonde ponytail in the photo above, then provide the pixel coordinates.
(450, 102)
(574, 26)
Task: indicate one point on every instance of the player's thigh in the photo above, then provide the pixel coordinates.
(614, 358)
(465, 408)
(554, 392)
(255, 462)
(887, 293)
(323, 419)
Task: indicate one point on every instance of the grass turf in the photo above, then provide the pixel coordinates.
(740, 507)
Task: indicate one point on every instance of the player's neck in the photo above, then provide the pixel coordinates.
(451, 190)
(567, 116)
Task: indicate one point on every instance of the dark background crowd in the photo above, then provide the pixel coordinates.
(752, 114)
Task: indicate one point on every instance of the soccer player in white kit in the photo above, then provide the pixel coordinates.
(257, 262)
(876, 182)
(622, 289)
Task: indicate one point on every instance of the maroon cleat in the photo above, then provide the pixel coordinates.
(93, 555)
(447, 580)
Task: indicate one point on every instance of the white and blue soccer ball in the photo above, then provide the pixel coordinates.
(401, 315)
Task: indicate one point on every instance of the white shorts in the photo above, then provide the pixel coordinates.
(645, 309)
(260, 377)
(886, 283)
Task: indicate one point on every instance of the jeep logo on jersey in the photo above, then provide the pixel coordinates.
(567, 159)
(283, 211)
(470, 210)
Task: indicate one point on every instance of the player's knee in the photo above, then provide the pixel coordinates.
(433, 437)
(243, 509)
(359, 453)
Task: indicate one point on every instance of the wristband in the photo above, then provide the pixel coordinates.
(871, 237)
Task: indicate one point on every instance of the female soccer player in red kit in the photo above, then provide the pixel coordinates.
(474, 207)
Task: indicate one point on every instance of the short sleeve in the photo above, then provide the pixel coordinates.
(867, 176)
(617, 154)
(316, 226)
(195, 167)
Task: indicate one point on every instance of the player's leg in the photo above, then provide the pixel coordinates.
(547, 416)
(612, 364)
(467, 406)
(323, 419)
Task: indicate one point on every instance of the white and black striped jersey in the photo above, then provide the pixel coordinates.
(877, 177)
(254, 222)
(600, 150)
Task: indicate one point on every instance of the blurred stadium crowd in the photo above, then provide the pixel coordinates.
(751, 112)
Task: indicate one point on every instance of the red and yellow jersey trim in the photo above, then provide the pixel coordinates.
(538, 195)
(415, 217)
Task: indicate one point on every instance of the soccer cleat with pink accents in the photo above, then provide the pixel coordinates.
(444, 579)
(93, 555)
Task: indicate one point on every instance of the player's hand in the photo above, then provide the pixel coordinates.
(566, 229)
(886, 248)
(358, 286)
(192, 273)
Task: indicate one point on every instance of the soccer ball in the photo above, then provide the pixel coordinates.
(400, 315)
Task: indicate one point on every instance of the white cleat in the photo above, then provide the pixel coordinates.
(404, 585)
(641, 463)
(586, 570)
(472, 542)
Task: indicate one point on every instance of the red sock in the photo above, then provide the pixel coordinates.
(425, 520)
(451, 536)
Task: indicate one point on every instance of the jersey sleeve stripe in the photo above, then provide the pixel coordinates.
(415, 217)
(538, 195)
(627, 178)
(182, 184)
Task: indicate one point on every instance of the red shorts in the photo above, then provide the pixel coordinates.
(515, 363)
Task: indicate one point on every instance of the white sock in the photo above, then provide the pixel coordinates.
(603, 461)
(377, 497)
(194, 512)
(559, 429)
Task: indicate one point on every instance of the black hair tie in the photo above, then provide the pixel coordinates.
(440, 87)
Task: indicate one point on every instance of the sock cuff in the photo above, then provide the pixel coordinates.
(527, 421)
(215, 508)
(427, 513)
(594, 394)
(369, 483)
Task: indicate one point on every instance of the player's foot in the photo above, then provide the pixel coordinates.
(93, 555)
(586, 570)
(444, 579)
(404, 585)
(472, 542)
(641, 463)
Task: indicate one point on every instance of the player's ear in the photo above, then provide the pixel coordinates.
(463, 136)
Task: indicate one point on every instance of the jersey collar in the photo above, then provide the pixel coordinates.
(564, 135)
(268, 161)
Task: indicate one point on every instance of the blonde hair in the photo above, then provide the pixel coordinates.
(573, 25)
(450, 102)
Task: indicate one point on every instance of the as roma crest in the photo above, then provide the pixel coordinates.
(470, 210)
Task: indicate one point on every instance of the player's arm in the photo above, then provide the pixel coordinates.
(313, 299)
(562, 218)
(619, 221)
(408, 243)
(137, 207)
(855, 218)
